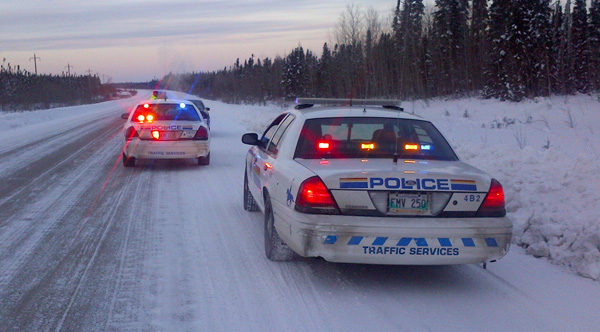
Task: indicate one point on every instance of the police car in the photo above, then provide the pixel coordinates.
(203, 110)
(360, 181)
(165, 129)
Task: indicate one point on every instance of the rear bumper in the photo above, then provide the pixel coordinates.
(142, 149)
(398, 241)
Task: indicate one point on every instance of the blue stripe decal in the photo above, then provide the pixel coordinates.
(353, 185)
(466, 187)
(355, 240)
(379, 241)
(404, 242)
(468, 242)
(421, 242)
(491, 242)
(445, 242)
(330, 239)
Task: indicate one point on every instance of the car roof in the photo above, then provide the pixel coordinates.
(164, 101)
(316, 112)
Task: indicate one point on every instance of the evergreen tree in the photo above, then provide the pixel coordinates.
(594, 45)
(408, 34)
(295, 78)
(538, 43)
(450, 31)
(517, 28)
(478, 44)
(325, 74)
(579, 44)
(557, 51)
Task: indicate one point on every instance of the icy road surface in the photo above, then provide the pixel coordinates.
(88, 245)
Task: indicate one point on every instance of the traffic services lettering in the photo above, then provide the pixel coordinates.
(408, 184)
(166, 153)
(379, 250)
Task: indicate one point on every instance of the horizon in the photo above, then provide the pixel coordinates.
(108, 41)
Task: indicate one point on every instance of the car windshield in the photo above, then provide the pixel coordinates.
(372, 137)
(168, 112)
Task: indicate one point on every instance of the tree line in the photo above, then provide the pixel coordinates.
(506, 49)
(22, 90)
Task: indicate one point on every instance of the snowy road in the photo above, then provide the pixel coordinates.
(88, 245)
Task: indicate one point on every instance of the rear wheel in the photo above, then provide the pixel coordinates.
(249, 202)
(204, 160)
(275, 248)
(128, 161)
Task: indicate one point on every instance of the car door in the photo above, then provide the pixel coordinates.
(259, 160)
(278, 177)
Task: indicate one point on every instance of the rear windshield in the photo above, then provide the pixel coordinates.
(168, 112)
(372, 138)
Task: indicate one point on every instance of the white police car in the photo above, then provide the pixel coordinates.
(370, 184)
(165, 129)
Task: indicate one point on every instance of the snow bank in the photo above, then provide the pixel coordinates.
(545, 153)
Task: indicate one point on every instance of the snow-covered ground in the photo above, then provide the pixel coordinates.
(86, 244)
(545, 152)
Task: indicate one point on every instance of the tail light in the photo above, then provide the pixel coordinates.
(314, 197)
(201, 134)
(131, 133)
(493, 204)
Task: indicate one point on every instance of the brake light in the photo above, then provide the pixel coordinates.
(323, 146)
(201, 134)
(131, 133)
(156, 134)
(493, 204)
(314, 197)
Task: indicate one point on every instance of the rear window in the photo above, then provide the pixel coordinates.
(168, 112)
(372, 138)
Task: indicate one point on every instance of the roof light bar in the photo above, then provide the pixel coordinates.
(348, 102)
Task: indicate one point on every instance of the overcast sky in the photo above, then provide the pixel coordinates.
(135, 40)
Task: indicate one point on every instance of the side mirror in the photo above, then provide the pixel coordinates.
(250, 139)
(207, 109)
(125, 116)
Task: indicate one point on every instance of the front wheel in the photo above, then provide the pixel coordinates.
(275, 248)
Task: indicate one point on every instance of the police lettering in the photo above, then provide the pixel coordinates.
(409, 184)
(166, 128)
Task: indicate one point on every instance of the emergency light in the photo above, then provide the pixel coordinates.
(367, 146)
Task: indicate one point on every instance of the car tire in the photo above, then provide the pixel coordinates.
(275, 248)
(249, 201)
(204, 160)
(128, 161)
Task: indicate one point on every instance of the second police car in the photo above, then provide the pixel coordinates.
(370, 184)
(165, 129)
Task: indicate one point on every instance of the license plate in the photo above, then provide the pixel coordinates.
(408, 203)
(169, 135)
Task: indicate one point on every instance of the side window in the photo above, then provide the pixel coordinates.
(268, 135)
(274, 145)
